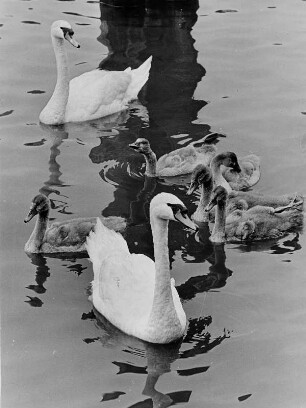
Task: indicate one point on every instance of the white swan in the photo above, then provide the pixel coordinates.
(93, 94)
(134, 293)
(178, 162)
(62, 236)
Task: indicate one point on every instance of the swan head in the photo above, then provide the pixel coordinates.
(141, 145)
(201, 175)
(218, 196)
(168, 207)
(40, 204)
(245, 229)
(61, 29)
(228, 159)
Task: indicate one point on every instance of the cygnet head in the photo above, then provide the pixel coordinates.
(245, 229)
(168, 207)
(240, 204)
(40, 204)
(200, 175)
(61, 29)
(141, 145)
(218, 196)
(228, 159)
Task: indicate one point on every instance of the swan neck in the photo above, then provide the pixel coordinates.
(162, 299)
(54, 112)
(61, 65)
(150, 158)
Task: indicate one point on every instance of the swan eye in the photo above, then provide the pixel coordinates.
(67, 31)
(178, 208)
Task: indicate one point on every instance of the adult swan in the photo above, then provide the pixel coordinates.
(133, 292)
(92, 95)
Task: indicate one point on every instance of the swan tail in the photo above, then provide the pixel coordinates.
(209, 138)
(140, 76)
(102, 242)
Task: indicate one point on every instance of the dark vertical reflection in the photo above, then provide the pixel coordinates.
(158, 358)
(166, 111)
(42, 272)
(57, 134)
(218, 272)
(161, 29)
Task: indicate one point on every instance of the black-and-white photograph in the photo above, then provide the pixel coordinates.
(153, 177)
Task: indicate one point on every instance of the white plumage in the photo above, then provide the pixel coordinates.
(92, 95)
(134, 293)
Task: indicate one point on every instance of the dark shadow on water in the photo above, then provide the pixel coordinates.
(285, 245)
(42, 272)
(165, 114)
(161, 29)
(158, 358)
(215, 279)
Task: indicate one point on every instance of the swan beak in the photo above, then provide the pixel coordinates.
(191, 188)
(31, 214)
(72, 40)
(184, 219)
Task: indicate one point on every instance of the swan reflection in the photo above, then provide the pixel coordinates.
(159, 358)
(42, 272)
(214, 279)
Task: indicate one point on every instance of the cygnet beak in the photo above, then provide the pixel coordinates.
(134, 146)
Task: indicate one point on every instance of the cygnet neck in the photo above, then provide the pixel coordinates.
(37, 237)
(200, 214)
(150, 158)
(218, 233)
(219, 180)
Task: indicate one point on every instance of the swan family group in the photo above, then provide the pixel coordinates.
(135, 293)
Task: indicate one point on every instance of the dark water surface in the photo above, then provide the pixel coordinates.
(237, 68)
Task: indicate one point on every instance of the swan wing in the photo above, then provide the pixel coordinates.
(123, 291)
(103, 242)
(96, 94)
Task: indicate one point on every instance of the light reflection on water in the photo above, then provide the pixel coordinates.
(245, 303)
